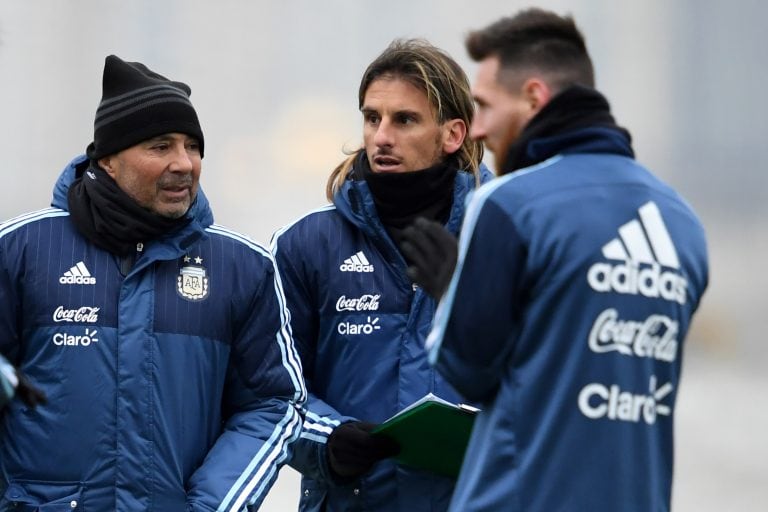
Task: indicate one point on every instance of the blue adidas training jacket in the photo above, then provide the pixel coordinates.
(172, 388)
(574, 290)
(360, 328)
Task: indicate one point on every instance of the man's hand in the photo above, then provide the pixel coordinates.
(353, 449)
(28, 393)
(431, 251)
(14, 383)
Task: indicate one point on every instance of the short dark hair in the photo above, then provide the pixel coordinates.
(536, 40)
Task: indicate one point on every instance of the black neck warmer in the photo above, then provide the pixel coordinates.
(110, 218)
(403, 196)
(573, 109)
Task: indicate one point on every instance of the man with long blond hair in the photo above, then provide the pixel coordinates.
(358, 320)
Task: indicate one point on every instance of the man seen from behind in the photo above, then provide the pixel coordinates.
(577, 277)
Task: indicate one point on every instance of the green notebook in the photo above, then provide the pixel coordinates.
(433, 434)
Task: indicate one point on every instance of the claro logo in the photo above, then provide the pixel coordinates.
(368, 327)
(598, 401)
(65, 339)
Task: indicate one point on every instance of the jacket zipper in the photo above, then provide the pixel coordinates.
(127, 261)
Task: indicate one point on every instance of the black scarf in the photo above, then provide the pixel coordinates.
(573, 109)
(403, 196)
(110, 218)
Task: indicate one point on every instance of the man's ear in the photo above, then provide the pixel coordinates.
(537, 93)
(454, 132)
(107, 163)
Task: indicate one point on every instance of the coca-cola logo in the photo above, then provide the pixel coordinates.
(85, 314)
(655, 337)
(367, 302)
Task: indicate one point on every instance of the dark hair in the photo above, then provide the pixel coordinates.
(433, 71)
(536, 40)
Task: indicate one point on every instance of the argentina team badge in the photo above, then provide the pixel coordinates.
(192, 281)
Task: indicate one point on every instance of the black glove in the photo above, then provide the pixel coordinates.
(14, 383)
(431, 251)
(352, 449)
(28, 393)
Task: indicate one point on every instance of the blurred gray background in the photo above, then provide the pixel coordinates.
(275, 86)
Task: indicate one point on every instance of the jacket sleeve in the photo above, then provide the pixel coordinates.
(309, 455)
(476, 322)
(262, 402)
(8, 380)
(9, 298)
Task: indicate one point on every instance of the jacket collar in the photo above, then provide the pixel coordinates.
(355, 203)
(578, 120)
(164, 248)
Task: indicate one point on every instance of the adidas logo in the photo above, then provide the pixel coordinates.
(356, 263)
(77, 275)
(644, 246)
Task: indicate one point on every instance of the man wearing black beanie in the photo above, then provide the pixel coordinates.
(159, 338)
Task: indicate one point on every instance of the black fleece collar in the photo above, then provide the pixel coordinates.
(573, 110)
(110, 218)
(401, 197)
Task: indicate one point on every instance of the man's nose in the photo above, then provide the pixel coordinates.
(384, 135)
(182, 159)
(477, 130)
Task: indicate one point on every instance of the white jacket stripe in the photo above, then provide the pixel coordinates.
(15, 223)
(476, 201)
(273, 448)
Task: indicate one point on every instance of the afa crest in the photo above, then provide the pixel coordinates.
(192, 281)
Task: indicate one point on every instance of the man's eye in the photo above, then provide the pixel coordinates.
(405, 119)
(372, 118)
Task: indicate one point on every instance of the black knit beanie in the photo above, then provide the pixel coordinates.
(138, 104)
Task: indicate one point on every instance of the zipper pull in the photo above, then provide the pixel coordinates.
(127, 261)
